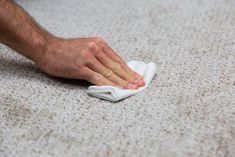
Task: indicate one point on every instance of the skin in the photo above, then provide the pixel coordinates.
(90, 59)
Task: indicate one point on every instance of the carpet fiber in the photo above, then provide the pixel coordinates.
(188, 110)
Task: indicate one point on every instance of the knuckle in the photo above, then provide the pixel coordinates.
(119, 60)
(85, 55)
(99, 53)
(92, 45)
(99, 39)
(122, 65)
(108, 73)
(87, 59)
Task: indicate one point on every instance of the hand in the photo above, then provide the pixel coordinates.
(88, 59)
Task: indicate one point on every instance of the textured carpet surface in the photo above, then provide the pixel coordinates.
(188, 110)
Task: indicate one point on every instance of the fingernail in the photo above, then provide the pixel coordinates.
(132, 86)
(135, 81)
(141, 83)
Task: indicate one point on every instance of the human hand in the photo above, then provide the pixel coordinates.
(88, 59)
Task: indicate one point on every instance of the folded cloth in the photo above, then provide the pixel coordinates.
(112, 93)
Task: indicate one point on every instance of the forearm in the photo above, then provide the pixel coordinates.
(20, 32)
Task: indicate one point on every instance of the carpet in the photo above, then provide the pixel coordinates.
(188, 109)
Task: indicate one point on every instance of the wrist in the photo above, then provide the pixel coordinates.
(48, 49)
(41, 47)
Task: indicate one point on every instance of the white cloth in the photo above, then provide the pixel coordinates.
(112, 93)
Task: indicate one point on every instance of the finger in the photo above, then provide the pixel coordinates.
(114, 66)
(96, 66)
(138, 79)
(97, 78)
(112, 54)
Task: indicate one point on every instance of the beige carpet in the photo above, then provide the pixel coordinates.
(188, 110)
